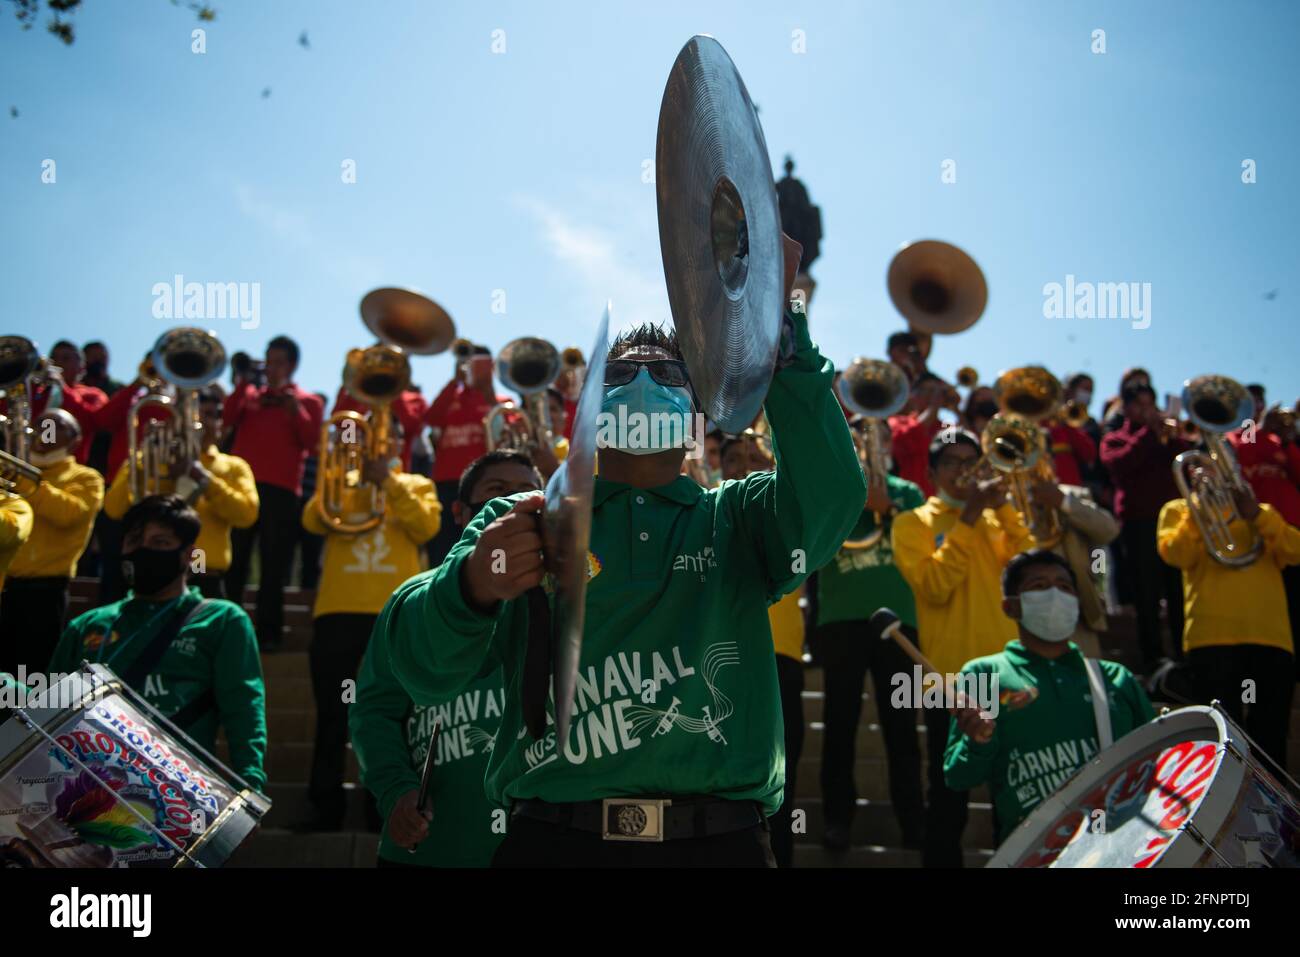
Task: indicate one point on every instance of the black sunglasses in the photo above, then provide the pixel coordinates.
(669, 372)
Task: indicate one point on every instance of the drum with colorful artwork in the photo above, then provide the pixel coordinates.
(91, 776)
(1182, 791)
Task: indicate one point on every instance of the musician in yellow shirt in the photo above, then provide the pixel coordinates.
(951, 551)
(64, 505)
(360, 571)
(1236, 631)
(16, 522)
(218, 486)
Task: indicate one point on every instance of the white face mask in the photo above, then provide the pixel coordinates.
(1083, 397)
(1049, 613)
(43, 460)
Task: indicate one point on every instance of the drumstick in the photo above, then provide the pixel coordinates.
(426, 776)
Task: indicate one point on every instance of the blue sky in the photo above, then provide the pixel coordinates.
(521, 171)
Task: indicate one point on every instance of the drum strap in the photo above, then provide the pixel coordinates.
(1100, 703)
(144, 665)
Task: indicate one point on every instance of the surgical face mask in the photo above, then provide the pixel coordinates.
(644, 416)
(95, 370)
(1049, 613)
(150, 570)
(1083, 396)
(44, 459)
(950, 501)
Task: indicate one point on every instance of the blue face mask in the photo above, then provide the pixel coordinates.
(643, 417)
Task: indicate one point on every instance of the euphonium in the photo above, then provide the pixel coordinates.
(347, 502)
(20, 364)
(1015, 450)
(528, 366)
(1033, 394)
(188, 359)
(1216, 405)
(874, 390)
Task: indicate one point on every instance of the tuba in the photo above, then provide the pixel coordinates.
(20, 365)
(1216, 405)
(405, 321)
(874, 390)
(528, 366)
(187, 359)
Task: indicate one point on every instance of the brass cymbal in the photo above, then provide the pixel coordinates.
(566, 530)
(719, 233)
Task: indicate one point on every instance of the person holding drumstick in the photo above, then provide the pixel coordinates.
(1047, 725)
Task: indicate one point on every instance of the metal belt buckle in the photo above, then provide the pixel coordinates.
(633, 819)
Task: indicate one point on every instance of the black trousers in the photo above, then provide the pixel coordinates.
(449, 531)
(1219, 672)
(946, 809)
(846, 651)
(789, 676)
(337, 645)
(276, 533)
(1153, 580)
(32, 613)
(112, 586)
(310, 548)
(533, 843)
(1291, 581)
(211, 585)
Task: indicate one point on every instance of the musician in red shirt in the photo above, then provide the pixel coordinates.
(457, 416)
(275, 425)
(83, 401)
(915, 428)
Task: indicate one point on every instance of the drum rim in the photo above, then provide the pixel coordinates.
(1182, 849)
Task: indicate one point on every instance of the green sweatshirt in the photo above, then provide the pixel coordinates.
(390, 734)
(856, 582)
(215, 651)
(677, 691)
(1045, 728)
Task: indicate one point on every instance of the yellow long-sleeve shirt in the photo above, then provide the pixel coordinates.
(64, 506)
(786, 621)
(16, 522)
(229, 501)
(1230, 606)
(361, 571)
(955, 572)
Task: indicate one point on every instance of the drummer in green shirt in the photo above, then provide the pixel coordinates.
(675, 753)
(192, 658)
(860, 579)
(390, 732)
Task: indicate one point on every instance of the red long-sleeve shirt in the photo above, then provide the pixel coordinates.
(1141, 466)
(459, 411)
(83, 402)
(1273, 471)
(911, 448)
(274, 443)
(409, 409)
(1072, 451)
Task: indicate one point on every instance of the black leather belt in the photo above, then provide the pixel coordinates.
(646, 818)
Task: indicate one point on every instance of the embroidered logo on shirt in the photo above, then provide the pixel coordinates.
(700, 562)
(370, 552)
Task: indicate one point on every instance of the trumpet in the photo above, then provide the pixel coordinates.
(405, 321)
(529, 366)
(1216, 405)
(187, 359)
(874, 390)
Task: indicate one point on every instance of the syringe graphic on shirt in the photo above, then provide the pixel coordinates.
(716, 657)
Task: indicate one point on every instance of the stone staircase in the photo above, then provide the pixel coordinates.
(876, 841)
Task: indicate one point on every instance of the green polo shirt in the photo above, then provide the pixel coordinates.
(1045, 728)
(677, 691)
(857, 581)
(215, 652)
(390, 735)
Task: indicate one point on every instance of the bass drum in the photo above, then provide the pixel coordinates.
(1182, 791)
(97, 778)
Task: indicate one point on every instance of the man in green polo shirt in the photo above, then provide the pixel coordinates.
(390, 732)
(193, 659)
(674, 756)
(858, 581)
(1047, 726)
